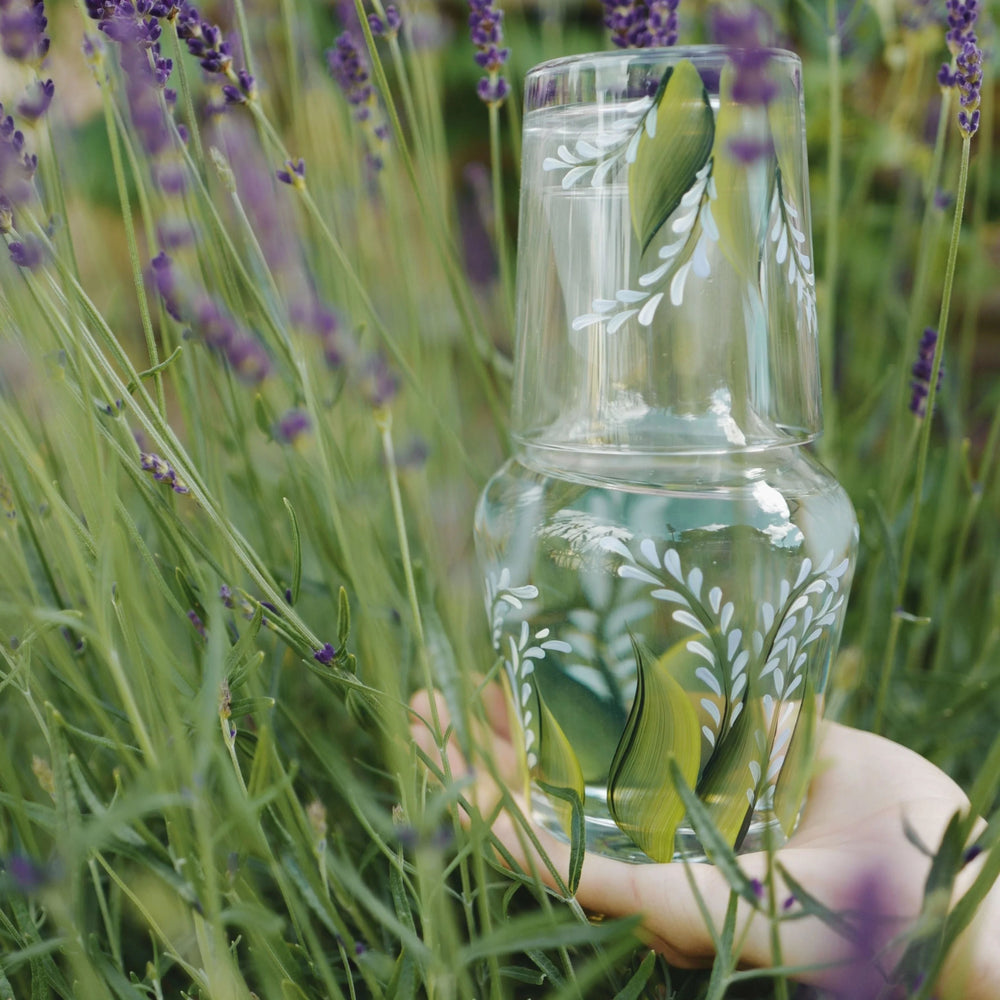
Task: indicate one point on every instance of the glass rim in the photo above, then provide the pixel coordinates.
(661, 54)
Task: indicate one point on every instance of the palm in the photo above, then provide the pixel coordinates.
(850, 852)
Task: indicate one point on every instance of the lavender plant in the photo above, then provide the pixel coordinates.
(245, 410)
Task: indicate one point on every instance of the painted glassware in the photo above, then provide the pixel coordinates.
(666, 566)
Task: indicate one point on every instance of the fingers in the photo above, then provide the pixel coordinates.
(494, 761)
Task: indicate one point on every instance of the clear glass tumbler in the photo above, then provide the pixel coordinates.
(666, 565)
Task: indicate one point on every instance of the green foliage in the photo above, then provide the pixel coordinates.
(207, 785)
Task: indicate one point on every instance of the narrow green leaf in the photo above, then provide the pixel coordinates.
(296, 551)
(810, 906)
(717, 850)
(558, 767)
(251, 706)
(148, 373)
(540, 930)
(243, 649)
(725, 961)
(662, 726)
(343, 618)
(547, 967)
(577, 829)
(520, 974)
(634, 987)
(667, 160)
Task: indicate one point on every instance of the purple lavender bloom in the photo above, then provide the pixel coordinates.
(226, 595)
(165, 282)
(625, 20)
(349, 67)
(291, 426)
(171, 178)
(388, 25)
(962, 16)
(492, 91)
(967, 74)
(136, 30)
(216, 327)
(748, 149)
(162, 472)
(36, 101)
(641, 23)
(339, 348)
(248, 359)
(745, 34)
(661, 23)
(27, 253)
(245, 90)
(872, 905)
(969, 70)
(295, 174)
(246, 356)
(17, 168)
(943, 199)
(22, 30)
(325, 654)
(199, 625)
(378, 384)
(486, 32)
(25, 875)
(922, 370)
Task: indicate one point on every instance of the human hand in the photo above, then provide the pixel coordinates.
(850, 853)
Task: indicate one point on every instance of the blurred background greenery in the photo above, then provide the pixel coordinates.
(195, 798)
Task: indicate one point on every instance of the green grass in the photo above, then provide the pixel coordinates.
(191, 803)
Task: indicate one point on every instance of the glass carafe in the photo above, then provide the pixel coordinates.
(666, 564)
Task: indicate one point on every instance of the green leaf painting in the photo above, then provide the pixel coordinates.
(558, 767)
(740, 208)
(661, 726)
(793, 781)
(731, 781)
(675, 144)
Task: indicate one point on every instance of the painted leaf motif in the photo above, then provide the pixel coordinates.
(593, 725)
(789, 143)
(793, 782)
(733, 771)
(667, 160)
(558, 767)
(662, 726)
(740, 209)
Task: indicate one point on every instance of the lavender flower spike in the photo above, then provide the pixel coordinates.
(486, 32)
(969, 71)
(22, 30)
(641, 24)
(661, 23)
(625, 19)
(295, 175)
(922, 370)
(17, 168)
(28, 253)
(349, 68)
(163, 472)
(389, 25)
(36, 101)
(967, 74)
